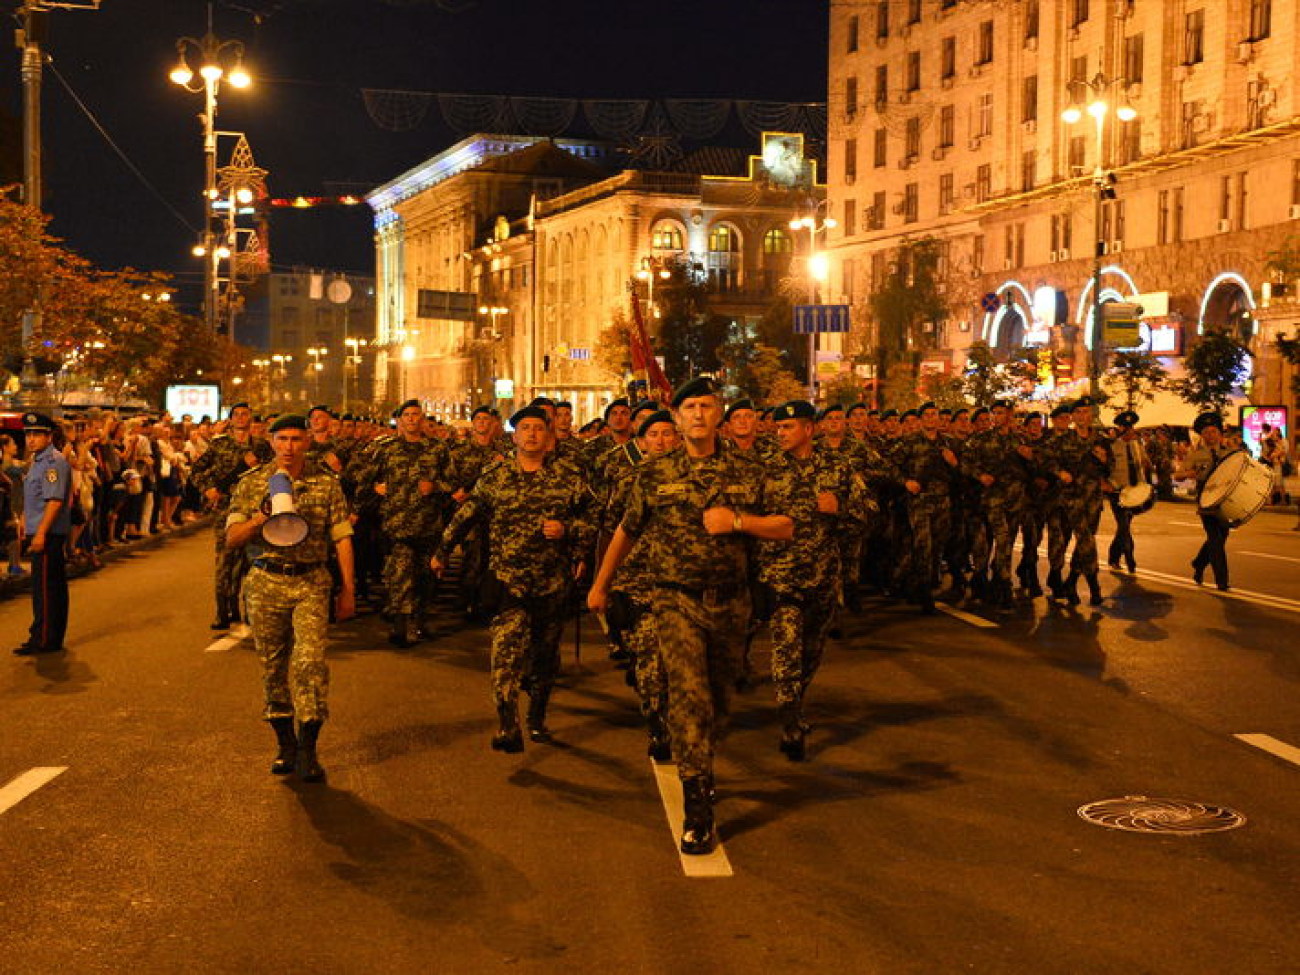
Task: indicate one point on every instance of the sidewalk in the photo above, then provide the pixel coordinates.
(13, 585)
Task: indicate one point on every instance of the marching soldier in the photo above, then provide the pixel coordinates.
(288, 592)
(1034, 513)
(214, 474)
(537, 507)
(696, 507)
(1129, 467)
(926, 463)
(1055, 517)
(993, 460)
(1200, 463)
(1081, 458)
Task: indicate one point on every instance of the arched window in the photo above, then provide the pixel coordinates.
(723, 240)
(724, 259)
(777, 241)
(668, 237)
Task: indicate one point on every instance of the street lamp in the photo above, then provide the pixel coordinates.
(282, 366)
(351, 359)
(652, 268)
(818, 271)
(1093, 98)
(316, 367)
(217, 60)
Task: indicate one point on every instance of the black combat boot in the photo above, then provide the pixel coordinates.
(1001, 597)
(537, 701)
(1070, 588)
(697, 827)
(793, 731)
(397, 635)
(1094, 589)
(925, 599)
(508, 738)
(979, 586)
(308, 768)
(287, 757)
(1032, 586)
(660, 749)
(222, 621)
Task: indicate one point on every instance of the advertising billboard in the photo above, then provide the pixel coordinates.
(1253, 420)
(197, 401)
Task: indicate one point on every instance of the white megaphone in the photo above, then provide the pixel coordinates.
(285, 527)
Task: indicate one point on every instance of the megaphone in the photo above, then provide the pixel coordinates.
(285, 527)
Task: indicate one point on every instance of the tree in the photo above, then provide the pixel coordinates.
(909, 298)
(689, 338)
(1136, 377)
(845, 389)
(985, 379)
(613, 350)
(770, 380)
(1289, 349)
(945, 391)
(1213, 367)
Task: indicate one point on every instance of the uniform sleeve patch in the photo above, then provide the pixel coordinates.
(52, 476)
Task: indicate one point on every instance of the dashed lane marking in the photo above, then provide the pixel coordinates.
(1274, 747)
(966, 617)
(237, 635)
(1240, 595)
(1267, 555)
(713, 864)
(1186, 524)
(20, 788)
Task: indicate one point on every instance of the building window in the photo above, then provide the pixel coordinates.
(1078, 12)
(913, 11)
(1028, 170)
(724, 259)
(1014, 245)
(666, 237)
(1076, 159)
(1062, 231)
(977, 254)
(880, 148)
(985, 46)
(1194, 37)
(984, 116)
(723, 239)
(850, 160)
(1177, 229)
(1112, 222)
(911, 202)
(1242, 201)
(1261, 19)
(1191, 110)
(983, 183)
(776, 241)
(947, 126)
(1162, 217)
(852, 34)
(1225, 199)
(1029, 99)
(877, 221)
(1133, 59)
(948, 59)
(1130, 141)
(850, 217)
(850, 97)
(912, 138)
(882, 20)
(945, 193)
(882, 84)
(1295, 182)
(914, 71)
(1031, 20)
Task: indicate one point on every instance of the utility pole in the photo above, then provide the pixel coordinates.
(29, 37)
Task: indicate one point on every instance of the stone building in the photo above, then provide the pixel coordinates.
(946, 120)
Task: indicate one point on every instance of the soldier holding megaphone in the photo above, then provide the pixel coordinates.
(289, 515)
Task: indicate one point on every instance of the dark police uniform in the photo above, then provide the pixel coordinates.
(49, 479)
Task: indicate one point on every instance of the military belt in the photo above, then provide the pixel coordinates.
(716, 593)
(287, 568)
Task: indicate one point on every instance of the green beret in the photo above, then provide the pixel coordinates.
(855, 407)
(543, 401)
(290, 421)
(323, 409)
(796, 409)
(906, 413)
(658, 416)
(1062, 409)
(242, 404)
(1083, 402)
(889, 415)
(979, 412)
(700, 386)
(407, 405)
(645, 404)
(481, 409)
(927, 405)
(529, 412)
(740, 404)
(621, 401)
(827, 411)
(1033, 415)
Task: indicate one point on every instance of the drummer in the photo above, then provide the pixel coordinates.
(1200, 463)
(1128, 487)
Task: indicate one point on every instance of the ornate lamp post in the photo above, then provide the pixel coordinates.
(818, 271)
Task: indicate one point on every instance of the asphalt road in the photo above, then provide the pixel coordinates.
(934, 828)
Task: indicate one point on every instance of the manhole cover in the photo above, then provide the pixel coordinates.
(1140, 814)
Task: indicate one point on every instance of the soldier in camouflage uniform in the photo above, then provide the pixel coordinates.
(1055, 520)
(214, 475)
(288, 592)
(696, 507)
(993, 460)
(1081, 459)
(537, 507)
(323, 446)
(823, 493)
(470, 458)
(412, 476)
(1037, 501)
(926, 461)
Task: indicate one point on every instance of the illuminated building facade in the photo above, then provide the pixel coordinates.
(946, 121)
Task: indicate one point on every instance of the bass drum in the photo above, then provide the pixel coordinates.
(1236, 490)
(1137, 499)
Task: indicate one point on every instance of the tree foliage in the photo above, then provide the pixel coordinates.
(910, 298)
(1135, 377)
(1213, 367)
(1289, 349)
(769, 380)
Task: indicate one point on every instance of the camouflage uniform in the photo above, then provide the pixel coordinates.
(994, 452)
(469, 459)
(220, 467)
(919, 458)
(701, 597)
(289, 614)
(804, 574)
(1081, 499)
(410, 521)
(534, 571)
(852, 534)
(1040, 493)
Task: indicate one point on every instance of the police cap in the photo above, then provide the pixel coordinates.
(38, 422)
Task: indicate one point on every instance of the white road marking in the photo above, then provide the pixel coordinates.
(27, 783)
(1266, 555)
(1241, 595)
(713, 864)
(965, 617)
(1186, 524)
(1274, 747)
(237, 635)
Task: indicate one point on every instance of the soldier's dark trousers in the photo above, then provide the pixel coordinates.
(231, 566)
(1214, 550)
(408, 580)
(1084, 516)
(49, 595)
(1121, 546)
(642, 640)
(928, 516)
(526, 637)
(1058, 536)
(799, 626)
(1031, 533)
(701, 639)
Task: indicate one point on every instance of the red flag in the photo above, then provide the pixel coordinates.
(642, 350)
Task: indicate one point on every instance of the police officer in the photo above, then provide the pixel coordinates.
(47, 519)
(288, 592)
(696, 507)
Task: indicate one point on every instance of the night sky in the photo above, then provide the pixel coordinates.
(305, 116)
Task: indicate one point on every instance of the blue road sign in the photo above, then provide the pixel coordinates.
(820, 318)
(990, 303)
